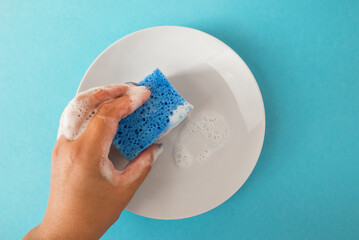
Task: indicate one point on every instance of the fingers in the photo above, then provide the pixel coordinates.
(136, 171)
(103, 126)
(96, 96)
(79, 111)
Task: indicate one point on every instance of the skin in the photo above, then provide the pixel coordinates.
(82, 203)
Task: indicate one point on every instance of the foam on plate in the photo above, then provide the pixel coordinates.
(201, 136)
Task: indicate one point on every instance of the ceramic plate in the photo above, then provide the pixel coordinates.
(212, 77)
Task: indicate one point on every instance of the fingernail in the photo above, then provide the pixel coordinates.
(157, 152)
(148, 87)
(132, 83)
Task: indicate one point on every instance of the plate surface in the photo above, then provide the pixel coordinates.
(212, 77)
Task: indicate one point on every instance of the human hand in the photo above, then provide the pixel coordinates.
(87, 194)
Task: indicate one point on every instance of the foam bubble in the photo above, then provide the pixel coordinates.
(182, 156)
(81, 109)
(135, 93)
(179, 114)
(77, 115)
(201, 136)
(106, 169)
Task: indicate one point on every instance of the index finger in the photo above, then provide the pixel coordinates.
(96, 96)
(79, 111)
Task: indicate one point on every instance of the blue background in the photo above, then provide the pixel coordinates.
(304, 55)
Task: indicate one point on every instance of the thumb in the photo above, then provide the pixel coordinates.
(136, 171)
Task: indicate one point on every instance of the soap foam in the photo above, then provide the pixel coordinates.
(81, 109)
(135, 93)
(201, 136)
(106, 169)
(179, 114)
(77, 115)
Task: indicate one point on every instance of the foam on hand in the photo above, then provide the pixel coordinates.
(81, 109)
(165, 109)
(77, 115)
(201, 136)
(135, 94)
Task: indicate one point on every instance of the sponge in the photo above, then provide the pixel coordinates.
(164, 110)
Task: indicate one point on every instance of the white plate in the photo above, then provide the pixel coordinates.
(211, 76)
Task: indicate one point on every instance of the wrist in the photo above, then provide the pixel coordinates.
(49, 231)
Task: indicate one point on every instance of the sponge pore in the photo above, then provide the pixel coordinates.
(164, 110)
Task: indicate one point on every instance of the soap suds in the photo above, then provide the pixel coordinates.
(76, 117)
(106, 169)
(135, 93)
(179, 114)
(81, 109)
(201, 136)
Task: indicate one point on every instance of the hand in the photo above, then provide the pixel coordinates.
(87, 194)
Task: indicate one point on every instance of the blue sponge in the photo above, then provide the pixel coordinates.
(164, 110)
